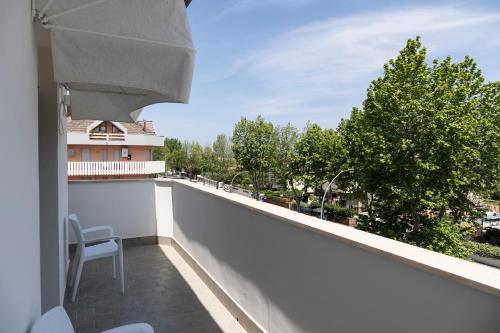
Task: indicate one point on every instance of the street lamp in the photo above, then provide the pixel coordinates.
(326, 191)
(236, 175)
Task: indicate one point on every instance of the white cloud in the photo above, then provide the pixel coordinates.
(327, 65)
(233, 6)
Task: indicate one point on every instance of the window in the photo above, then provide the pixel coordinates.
(104, 154)
(115, 129)
(71, 152)
(101, 128)
(147, 155)
(85, 154)
(116, 155)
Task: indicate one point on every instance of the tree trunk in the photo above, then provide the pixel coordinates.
(416, 219)
(441, 213)
(370, 206)
(296, 197)
(298, 200)
(256, 185)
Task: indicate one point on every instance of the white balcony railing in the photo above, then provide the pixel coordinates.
(102, 168)
(281, 271)
(107, 136)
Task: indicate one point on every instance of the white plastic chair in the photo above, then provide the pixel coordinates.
(91, 249)
(57, 321)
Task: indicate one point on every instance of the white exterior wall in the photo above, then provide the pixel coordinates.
(289, 278)
(135, 208)
(164, 209)
(19, 199)
(62, 175)
(53, 181)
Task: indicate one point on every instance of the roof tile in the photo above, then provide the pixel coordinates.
(141, 127)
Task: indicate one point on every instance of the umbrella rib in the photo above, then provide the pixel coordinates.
(74, 9)
(121, 37)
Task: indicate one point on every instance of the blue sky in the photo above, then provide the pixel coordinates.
(312, 60)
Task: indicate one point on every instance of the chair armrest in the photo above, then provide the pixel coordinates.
(99, 228)
(132, 328)
(104, 239)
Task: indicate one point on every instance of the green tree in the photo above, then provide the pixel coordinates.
(177, 159)
(254, 148)
(171, 153)
(426, 138)
(222, 149)
(209, 163)
(159, 154)
(287, 137)
(318, 156)
(194, 153)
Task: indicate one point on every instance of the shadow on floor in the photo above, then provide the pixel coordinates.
(155, 293)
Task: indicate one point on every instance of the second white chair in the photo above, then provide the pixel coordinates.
(91, 249)
(56, 320)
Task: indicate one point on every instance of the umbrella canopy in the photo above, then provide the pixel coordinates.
(117, 56)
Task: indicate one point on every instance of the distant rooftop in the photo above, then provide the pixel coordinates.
(140, 127)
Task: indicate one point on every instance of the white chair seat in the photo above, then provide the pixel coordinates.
(100, 250)
(56, 320)
(132, 328)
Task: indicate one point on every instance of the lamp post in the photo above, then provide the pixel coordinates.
(326, 191)
(236, 175)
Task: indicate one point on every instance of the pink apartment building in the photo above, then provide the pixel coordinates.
(112, 150)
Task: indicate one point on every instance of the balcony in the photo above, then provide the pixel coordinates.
(113, 168)
(265, 268)
(107, 136)
(161, 290)
(114, 139)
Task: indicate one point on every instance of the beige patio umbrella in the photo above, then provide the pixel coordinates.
(117, 56)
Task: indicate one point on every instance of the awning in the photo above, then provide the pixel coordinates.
(117, 56)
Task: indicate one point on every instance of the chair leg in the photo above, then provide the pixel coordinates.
(73, 266)
(71, 273)
(122, 275)
(114, 267)
(77, 279)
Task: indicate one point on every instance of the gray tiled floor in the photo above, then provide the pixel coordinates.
(155, 293)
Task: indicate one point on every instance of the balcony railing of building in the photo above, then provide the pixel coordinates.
(107, 136)
(104, 168)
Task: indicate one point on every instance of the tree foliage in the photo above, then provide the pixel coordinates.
(223, 154)
(209, 163)
(317, 157)
(254, 148)
(194, 153)
(426, 141)
(287, 137)
(426, 137)
(172, 153)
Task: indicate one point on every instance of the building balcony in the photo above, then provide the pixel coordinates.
(115, 168)
(114, 139)
(107, 136)
(219, 261)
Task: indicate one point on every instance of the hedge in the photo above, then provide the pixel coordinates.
(484, 249)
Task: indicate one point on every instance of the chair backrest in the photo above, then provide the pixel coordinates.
(77, 228)
(53, 321)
